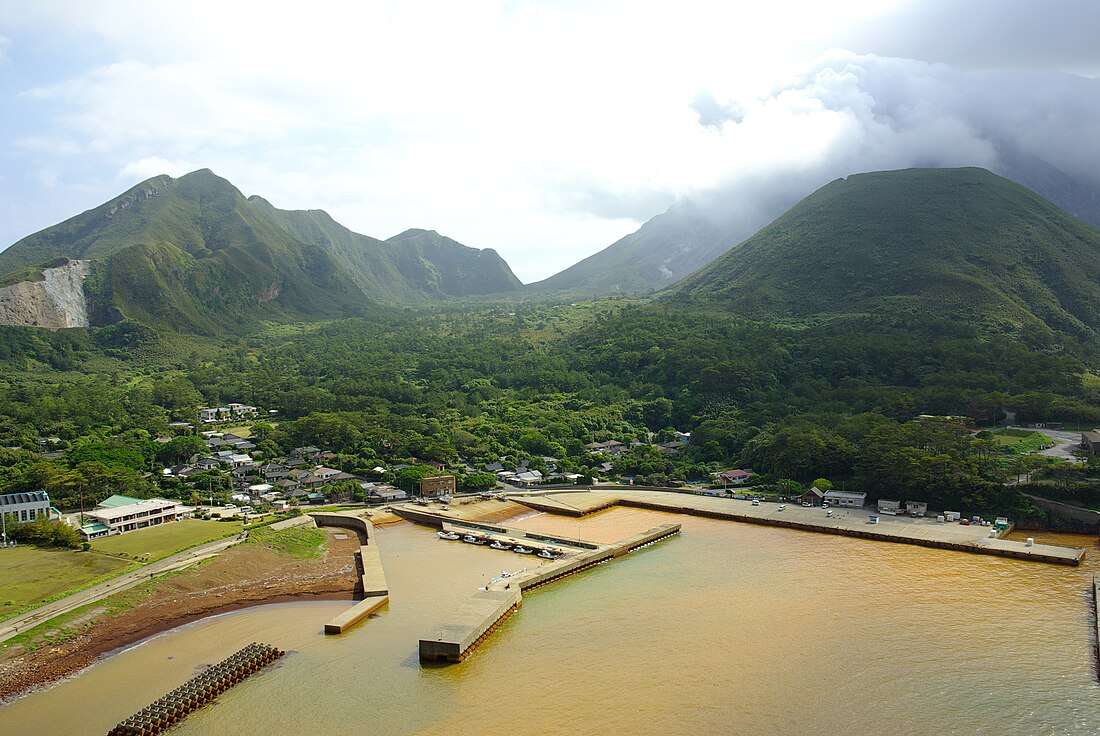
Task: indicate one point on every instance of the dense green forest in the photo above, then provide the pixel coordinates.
(806, 352)
(486, 383)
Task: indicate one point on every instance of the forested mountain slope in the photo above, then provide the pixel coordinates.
(961, 245)
(194, 255)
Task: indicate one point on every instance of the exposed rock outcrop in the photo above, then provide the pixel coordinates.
(56, 301)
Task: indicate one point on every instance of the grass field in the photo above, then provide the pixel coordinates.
(301, 542)
(1020, 441)
(34, 575)
(154, 543)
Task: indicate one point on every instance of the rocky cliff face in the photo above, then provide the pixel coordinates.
(56, 301)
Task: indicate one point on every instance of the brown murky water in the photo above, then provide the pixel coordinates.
(728, 628)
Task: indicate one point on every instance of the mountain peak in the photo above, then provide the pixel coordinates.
(959, 244)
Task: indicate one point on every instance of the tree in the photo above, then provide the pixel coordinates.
(477, 482)
(179, 449)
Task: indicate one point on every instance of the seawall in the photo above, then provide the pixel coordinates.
(372, 578)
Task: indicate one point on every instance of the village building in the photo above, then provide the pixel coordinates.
(886, 506)
(846, 499)
(1091, 441)
(916, 508)
(119, 514)
(437, 485)
(27, 506)
(227, 413)
(734, 477)
(527, 478)
(815, 497)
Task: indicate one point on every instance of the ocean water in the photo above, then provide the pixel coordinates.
(725, 628)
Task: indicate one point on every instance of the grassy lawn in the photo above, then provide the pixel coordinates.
(32, 575)
(154, 543)
(1021, 441)
(301, 542)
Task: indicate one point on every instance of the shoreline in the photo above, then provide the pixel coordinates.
(252, 575)
(241, 578)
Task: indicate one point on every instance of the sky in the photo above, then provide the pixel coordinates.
(543, 130)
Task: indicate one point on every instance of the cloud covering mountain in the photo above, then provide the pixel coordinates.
(543, 130)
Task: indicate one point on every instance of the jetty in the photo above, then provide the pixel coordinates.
(488, 608)
(372, 578)
(849, 522)
(168, 711)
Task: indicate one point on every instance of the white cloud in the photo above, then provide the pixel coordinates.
(153, 166)
(544, 130)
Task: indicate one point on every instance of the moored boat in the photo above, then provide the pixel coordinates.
(471, 539)
(448, 535)
(497, 544)
(520, 549)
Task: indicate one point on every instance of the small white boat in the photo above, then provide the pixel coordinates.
(471, 539)
(547, 554)
(520, 549)
(449, 535)
(497, 544)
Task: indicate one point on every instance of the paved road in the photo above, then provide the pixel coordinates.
(21, 623)
(1065, 443)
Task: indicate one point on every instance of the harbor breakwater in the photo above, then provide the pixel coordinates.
(166, 712)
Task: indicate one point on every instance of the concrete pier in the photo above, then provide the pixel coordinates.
(490, 606)
(1096, 619)
(372, 578)
(924, 532)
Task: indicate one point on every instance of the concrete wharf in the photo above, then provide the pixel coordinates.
(1096, 619)
(851, 522)
(486, 609)
(372, 578)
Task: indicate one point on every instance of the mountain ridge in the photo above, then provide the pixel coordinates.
(194, 254)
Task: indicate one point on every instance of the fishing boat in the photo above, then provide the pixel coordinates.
(547, 554)
(471, 539)
(520, 549)
(448, 535)
(497, 544)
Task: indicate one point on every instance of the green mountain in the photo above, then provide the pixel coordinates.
(664, 250)
(195, 255)
(693, 232)
(961, 245)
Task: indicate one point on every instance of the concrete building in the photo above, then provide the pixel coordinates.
(916, 508)
(19, 507)
(886, 506)
(846, 499)
(437, 485)
(126, 517)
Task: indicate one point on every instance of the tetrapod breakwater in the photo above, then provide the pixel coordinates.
(169, 710)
